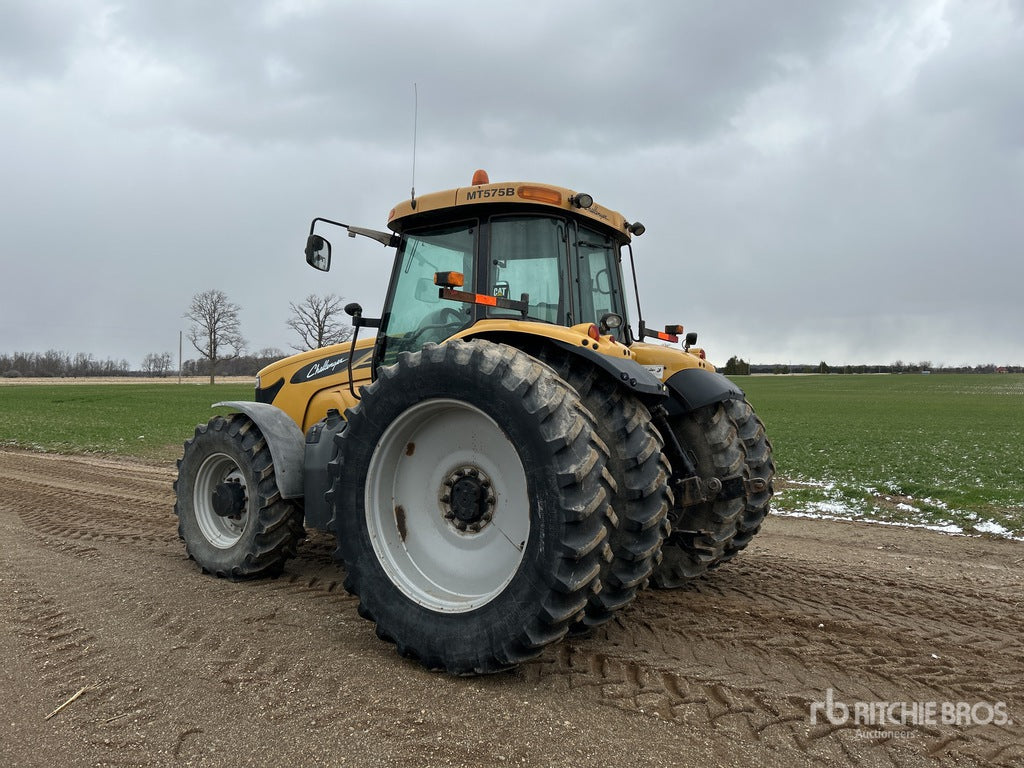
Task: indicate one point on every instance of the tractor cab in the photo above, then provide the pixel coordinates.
(511, 251)
(520, 265)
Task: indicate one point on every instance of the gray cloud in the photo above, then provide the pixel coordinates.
(818, 181)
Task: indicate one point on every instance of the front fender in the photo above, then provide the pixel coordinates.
(285, 439)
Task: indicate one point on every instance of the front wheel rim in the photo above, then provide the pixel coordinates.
(221, 532)
(437, 558)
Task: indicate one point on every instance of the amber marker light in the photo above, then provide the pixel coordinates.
(540, 194)
(449, 279)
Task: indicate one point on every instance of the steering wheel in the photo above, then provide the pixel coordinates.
(449, 316)
(444, 318)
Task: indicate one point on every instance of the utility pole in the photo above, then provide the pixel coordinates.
(179, 357)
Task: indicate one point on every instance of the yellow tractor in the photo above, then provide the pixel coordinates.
(506, 459)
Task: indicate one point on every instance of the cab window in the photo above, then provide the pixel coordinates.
(599, 279)
(528, 255)
(418, 316)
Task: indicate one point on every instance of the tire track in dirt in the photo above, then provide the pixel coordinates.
(64, 498)
(68, 654)
(72, 625)
(73, 473)
(65, 637)
(748, 652)
(121, 547)
(739, 658)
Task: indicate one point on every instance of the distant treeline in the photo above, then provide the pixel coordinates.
(57, 364)
(245, 365)
(737, 366)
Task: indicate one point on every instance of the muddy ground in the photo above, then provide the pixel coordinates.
(183, 669)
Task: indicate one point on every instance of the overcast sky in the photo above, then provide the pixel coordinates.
(819, 180)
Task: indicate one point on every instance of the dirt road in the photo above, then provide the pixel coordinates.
(182, 669)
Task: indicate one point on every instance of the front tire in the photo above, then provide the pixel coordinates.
(230, 512)
(469, 497)
(725, 439)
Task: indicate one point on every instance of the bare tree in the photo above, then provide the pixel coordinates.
(157, 363)
(215, 328)
(319, 322)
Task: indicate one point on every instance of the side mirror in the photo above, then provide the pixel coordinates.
(691, 339)
(318, 253)
(426, 291)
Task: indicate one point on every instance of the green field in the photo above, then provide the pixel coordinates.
(148, 421)
(939, 450)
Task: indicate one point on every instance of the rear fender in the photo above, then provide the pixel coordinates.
(630, 375)
(603, 353)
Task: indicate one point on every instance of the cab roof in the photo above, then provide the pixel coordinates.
(511, 193)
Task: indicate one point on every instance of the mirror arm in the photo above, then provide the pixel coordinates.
(384, 238)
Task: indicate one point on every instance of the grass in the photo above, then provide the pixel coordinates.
(941, 450)
(938, 450)
(147, 421)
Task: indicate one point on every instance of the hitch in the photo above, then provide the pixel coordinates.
(695, 490)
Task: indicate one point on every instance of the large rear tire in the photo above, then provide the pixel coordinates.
(642, 498)
(230, 512)
(725, 439)
(469, 495)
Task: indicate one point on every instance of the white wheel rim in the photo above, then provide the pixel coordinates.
(221, 532)
(430, 559)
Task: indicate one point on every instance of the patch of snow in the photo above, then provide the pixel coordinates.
(830, 508)
(838, 505)
(990, 526)
(952, 529)
(826, 485)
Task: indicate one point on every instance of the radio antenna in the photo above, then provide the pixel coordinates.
(415, 119)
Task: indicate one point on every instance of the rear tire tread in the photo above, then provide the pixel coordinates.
(501, 633)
